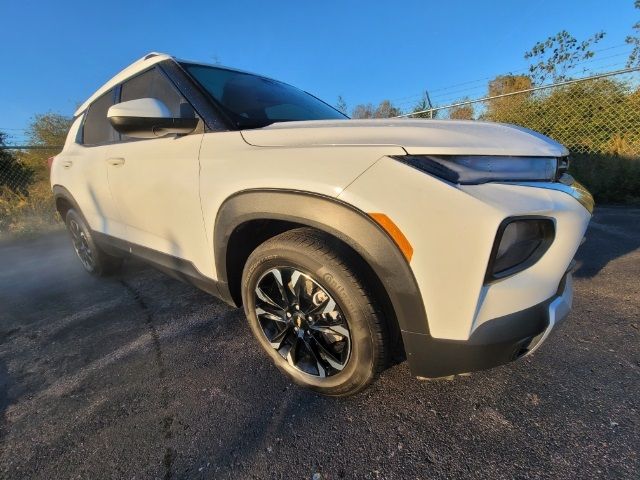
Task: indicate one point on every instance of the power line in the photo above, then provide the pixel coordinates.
(407, 99)
(534, 89)
(451, 98)
(456, 94)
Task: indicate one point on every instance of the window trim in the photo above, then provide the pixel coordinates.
(231, 125)
(215, 120)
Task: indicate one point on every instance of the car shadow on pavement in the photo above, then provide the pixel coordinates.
(4, 396)
(610, 235)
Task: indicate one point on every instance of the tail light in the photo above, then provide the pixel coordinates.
(50, 162)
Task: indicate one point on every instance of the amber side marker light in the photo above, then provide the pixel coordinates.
(392, 229)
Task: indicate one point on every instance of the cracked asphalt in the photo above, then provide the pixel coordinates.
(141, 376)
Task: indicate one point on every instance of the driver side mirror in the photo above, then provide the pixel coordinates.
(148, 118)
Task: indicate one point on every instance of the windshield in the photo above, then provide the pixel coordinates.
(252, 101)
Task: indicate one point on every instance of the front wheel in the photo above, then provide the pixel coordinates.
(312, 313)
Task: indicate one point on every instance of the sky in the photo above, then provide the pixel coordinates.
(55, 54)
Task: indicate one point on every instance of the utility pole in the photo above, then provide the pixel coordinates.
(428, 99)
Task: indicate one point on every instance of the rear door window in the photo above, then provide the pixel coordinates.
(97, 129)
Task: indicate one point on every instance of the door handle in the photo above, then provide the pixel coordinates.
(67, 163)
(115, 161)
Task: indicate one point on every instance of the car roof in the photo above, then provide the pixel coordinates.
(138, 66)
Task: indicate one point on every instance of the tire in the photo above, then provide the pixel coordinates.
(93, 259)
(338, 335)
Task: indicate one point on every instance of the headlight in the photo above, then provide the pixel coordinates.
(466, 169)
(519, 243)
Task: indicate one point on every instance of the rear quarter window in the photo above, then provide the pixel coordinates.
(97, 129)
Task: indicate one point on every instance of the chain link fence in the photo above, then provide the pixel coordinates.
(26, 203)
(597, 118)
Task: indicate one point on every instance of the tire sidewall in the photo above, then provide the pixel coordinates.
(361, 365)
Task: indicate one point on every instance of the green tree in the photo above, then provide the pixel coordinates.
(634, 56)
(509, 83)
(29, 206)
(557, 56)
(47, 129)
(462, 112)
(505, 84)
(423, 105)
(14, 175)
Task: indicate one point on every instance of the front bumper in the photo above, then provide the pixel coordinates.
(494, 343)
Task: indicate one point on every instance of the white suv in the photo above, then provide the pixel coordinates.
(346, 241)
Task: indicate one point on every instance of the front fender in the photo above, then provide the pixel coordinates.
(339, 219)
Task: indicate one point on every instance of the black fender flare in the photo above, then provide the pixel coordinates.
(61, 193)
(339, 219)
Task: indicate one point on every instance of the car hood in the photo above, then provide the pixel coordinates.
(423, 136)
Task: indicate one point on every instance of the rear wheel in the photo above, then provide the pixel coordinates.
(312, 314)
(93, 259)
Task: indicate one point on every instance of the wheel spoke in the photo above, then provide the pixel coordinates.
(293, 286)
(262, 295)
(328, 356)
(267, 307)
(277, 275)
(302, 322)
(331, 330)
(268, 315)
(292, 355)
(329, 307)
(316, 357)
(278, 340)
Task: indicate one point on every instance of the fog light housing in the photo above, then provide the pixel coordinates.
(520, 243)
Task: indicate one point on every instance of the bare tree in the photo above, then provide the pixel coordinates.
(386, 109)
(341, 105)
(363, 111)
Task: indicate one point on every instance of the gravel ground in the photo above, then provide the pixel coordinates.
(141, 376)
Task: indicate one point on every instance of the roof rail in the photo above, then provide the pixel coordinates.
(151, 54)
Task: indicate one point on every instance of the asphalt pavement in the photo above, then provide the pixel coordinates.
(141, 376)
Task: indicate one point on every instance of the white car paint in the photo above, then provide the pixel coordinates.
(143, 107)
(166, 198)
(452, 230)
(84, 171)
(419, 137)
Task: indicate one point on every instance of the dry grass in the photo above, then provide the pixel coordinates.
(28, 214)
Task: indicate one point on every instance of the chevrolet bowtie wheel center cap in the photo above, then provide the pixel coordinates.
(302, 322)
